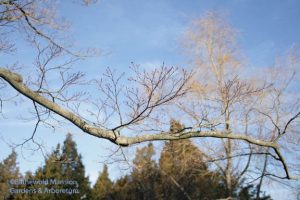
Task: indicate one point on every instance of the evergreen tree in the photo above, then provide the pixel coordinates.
(50, 171)
(143, 181)
(103, 187)
(122, 189)
(73, 169)
(63, 169)
(33, 196)
(249, 193)
(185, 175)
(179, 157)
(181, 174)
(145, 174)
(8, 171)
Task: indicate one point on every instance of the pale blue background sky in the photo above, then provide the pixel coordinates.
(148, 33)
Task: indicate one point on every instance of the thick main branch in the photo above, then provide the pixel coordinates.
(16, 81)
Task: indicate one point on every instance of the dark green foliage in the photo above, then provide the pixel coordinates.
(143, 182)
(63, 164)
(122, 189)
(72, 168)
(8, 171)
(184, 173)
(103, 188)
(249, 193)
(180, 174)
(145, 175)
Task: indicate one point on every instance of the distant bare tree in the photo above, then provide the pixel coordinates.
(230, 98)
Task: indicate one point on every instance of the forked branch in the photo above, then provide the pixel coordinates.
(15, 80)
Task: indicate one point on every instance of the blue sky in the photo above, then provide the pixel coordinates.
(148, 33)
(145, 31)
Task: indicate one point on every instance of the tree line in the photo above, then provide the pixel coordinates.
(180, 173)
